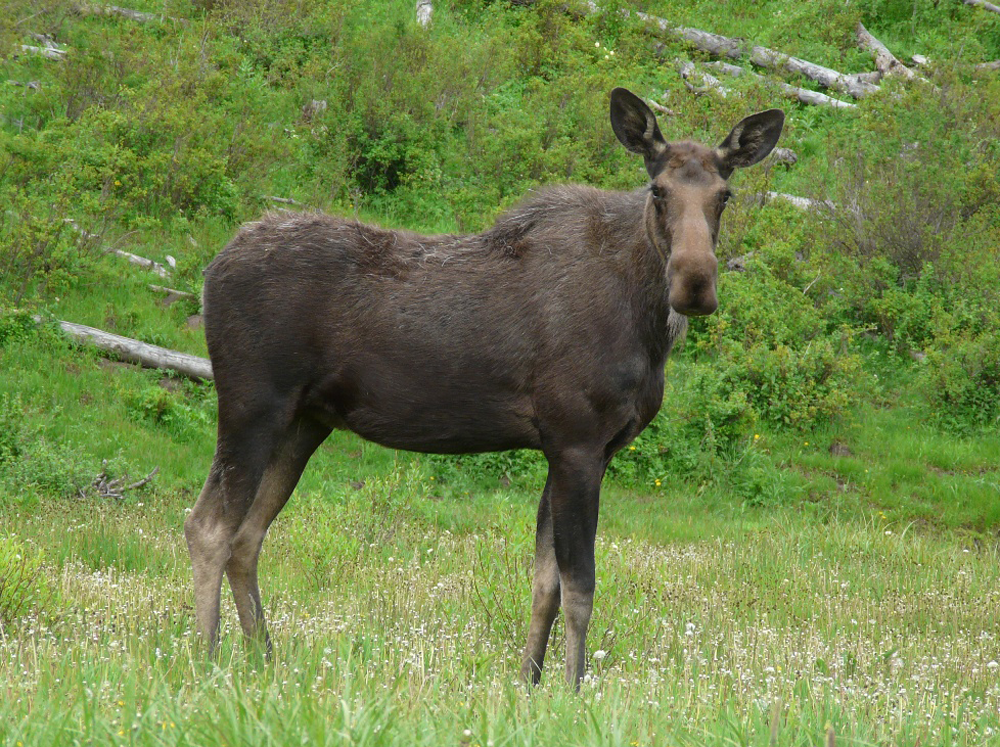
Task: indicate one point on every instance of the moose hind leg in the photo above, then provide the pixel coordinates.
(221, 507)
(544, 594)
(280, 478)
(575, 497)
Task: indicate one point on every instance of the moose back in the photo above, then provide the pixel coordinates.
(548, 331)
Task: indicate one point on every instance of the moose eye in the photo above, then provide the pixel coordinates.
(725, 196)
(657, 192)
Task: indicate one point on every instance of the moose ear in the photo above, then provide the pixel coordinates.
(635, 126)
(750, 141)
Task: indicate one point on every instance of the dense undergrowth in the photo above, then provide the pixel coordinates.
(161, 137)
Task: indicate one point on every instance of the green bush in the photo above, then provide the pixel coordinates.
(24, 588)
(961, 381)
(185, 418)
(31, 463)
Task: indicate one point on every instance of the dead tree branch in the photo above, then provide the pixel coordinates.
(732, 48)
(149, 264)
(115, 488)
(51, 53)
(135, 351)
(688, 72)
(984, 5)
(425, 9)
(90, 9)
(800, 94)
(885, 61)
(173, 292)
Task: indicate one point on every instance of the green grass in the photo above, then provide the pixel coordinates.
(887, 635)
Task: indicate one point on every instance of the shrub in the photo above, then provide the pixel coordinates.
(23, 585)
(961, 381)
(30, 463)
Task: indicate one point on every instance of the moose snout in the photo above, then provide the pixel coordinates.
(692, 284)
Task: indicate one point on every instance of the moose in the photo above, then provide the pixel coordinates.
(548, 331)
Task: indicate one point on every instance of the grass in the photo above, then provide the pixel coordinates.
(778, 623)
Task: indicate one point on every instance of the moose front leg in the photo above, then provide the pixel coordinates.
(574, 499)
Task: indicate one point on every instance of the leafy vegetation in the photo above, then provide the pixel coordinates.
(807, 533)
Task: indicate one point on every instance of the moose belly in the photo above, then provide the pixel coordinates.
(418, 408)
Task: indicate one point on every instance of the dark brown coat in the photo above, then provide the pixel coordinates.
(548, 331)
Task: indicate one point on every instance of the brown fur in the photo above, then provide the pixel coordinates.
(548, 331)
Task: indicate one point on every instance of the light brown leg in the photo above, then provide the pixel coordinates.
(544, 594)
(240, 457)
(280, 479)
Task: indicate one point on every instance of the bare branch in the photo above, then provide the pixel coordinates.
(801, 94)
(885, 61)
(90, 9)
(172, 291)
(425, 9)
(135, 351)
(984, 5)
(284, 200)
(709, 82)
(50, 53)
(149, 264)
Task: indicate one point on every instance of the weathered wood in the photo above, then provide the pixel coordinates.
(803, 203)
(660, 108)
(172, 291)
(149, 264)
(93, 9)
(826, 77)
(425, 9)
(885, 61)
(784, 156)
(283, 200)
(800, 94)
(734, 48)
(50, 53)
(984, 5)
(688, 72)
(135, 351)
(995, 65)
(33, 85)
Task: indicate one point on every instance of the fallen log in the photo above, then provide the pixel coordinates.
(149, 264)
(800, 94)
(688, 72)
(91, 9)
(33, 85)
(885, 61)
(284, 200)
(995, 65)
(826, 77)
(172, 292)
(135, 351)
(803, 203)
(425, 8)
(734, 49)
(984, 5)
(783, 156)
(47, 52)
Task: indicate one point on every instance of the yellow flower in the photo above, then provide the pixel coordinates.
(657, 483)
(631, 448)
(117, 183)
(756, 436)
(807, 443)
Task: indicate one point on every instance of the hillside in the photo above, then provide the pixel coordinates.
(844, 400)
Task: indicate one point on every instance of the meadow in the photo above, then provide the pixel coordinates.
(802, 549)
